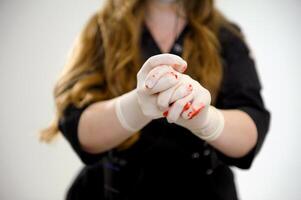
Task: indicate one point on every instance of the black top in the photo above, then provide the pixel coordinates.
(168, 161)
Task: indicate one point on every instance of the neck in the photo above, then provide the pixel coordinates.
(159, 10)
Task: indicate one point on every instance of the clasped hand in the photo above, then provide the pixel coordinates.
(164, 90)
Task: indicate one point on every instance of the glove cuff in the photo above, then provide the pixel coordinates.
(213, 125)
(129, 113)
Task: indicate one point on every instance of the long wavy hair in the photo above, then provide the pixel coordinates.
(110, 44)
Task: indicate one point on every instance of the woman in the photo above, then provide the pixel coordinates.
(158, 99)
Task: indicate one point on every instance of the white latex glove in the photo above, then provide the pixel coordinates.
(188, 104)
(138, 107)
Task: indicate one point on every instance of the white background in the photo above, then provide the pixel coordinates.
(35, 36)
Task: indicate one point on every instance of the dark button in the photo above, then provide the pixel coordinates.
(206, 152)
(209, 171)
(178, 48)
(195, 155)
(122, 162)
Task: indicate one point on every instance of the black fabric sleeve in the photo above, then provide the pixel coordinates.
(241, 90)
(68, 125)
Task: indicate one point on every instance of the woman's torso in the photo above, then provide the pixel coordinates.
(167, 161)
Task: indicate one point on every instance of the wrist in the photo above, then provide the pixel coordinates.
(212, 125)
(129, 113)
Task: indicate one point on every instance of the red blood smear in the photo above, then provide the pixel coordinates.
(195, 112)
(165, 113)
(187, 106)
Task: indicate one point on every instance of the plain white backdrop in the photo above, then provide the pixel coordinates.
(35, 37)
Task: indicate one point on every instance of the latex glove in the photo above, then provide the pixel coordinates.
(138, 107)
(190, 108)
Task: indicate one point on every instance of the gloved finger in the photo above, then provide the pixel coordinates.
(165, 82)
(172, 60)
(180, 92)
(155, 74)
(167, 97)
(197, 105)
(164, 97)
(174, 93)
(177, 108)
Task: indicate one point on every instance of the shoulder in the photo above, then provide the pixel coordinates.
(239, 67)
(232, 41)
